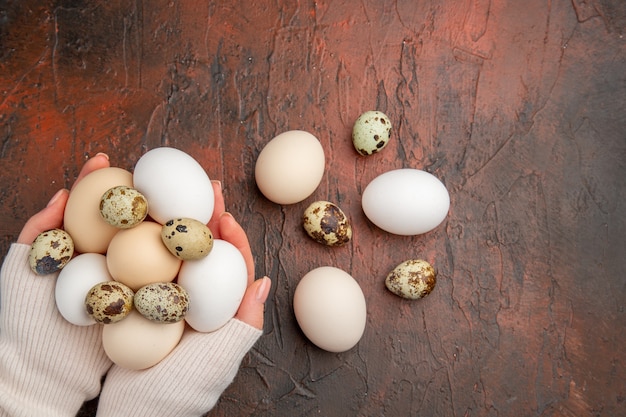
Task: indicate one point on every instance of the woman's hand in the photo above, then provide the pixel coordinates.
(47, 365)
(190, 380)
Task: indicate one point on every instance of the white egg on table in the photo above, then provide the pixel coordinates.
(290, 167)
(330, 308)
(406, 201)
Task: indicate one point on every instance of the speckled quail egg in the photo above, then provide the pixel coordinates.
(371, 132)
(326, 223)
(50, 251)
(163, 302)
(412, 279)
(109, 302)
(187, 239)
(123, 207)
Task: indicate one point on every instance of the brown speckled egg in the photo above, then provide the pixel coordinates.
(412, 279)
(187, 239)
(326, 223)
(50, 251)
(163, 302)
(123, 207)
(109, 302)
(371, 132)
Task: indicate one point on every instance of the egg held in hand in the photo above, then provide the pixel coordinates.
(74, 282)
(215, 284)
(50, 251)
(187, 239)
(123, 207)
(175, 185)
(138, 343)
(109, 302)
(137, 257)
(162, 302)
(82, 218)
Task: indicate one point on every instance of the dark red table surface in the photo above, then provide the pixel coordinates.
(518, 107)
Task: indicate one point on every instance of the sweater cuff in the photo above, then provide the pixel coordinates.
(47, 365)
(189, 381)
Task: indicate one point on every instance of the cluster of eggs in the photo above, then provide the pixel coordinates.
(328, 303)
(146, 262)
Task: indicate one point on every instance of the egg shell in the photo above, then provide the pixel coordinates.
(406, 201)
(187, 239)
(215, 285)
(163, 302)
(50, 251)
(330, 308)
(371, 132)
(327, 224)
(82, 218)
(109, 302)
(174, 184)
(123, 207)
(290, 167)
(412, 279)
(137, 343)
(74, 282)
(137, 256)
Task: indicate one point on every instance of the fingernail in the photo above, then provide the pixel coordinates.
(55, 197)
(218, 183)
(103, 154)
(264, 289)
(226, 214)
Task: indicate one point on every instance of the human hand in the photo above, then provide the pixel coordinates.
(191, 378)
(47, 365)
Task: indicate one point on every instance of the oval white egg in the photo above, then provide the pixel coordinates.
(406, 201)
(138, 343)
(330, 308)
(290, 167)
(215, 285)
(174, 184)
(74, 282)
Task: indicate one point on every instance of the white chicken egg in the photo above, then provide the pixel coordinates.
(406, 201)
(215, 285)
(174, 184)
(290, 167)
(74, 282)
(330, 308)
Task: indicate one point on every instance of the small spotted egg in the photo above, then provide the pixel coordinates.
(163, 302)
(412, 279)
(187, 239)
(371, 132)
(50, 251)
(109, 302)
(123, 207)
(326, 223)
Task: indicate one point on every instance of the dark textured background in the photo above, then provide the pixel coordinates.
(517, 106)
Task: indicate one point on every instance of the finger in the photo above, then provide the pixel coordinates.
(252, 305)
(218, 208)
(234, 234)
(101, 160)
(50, 217)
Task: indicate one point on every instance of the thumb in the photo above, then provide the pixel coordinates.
(253, 303)
(50, 217)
